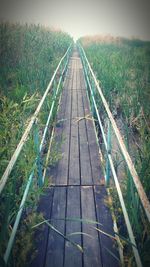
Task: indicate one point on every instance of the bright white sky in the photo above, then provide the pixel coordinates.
(129, 18)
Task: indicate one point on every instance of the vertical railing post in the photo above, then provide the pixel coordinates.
(54, 88)
(108, 152)
(68, 56)
(62, 68)
(87, 75)
(38, 154)
(93, 96)
(84, 68)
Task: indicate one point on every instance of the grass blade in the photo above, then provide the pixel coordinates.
(80, 233)
(74, 219)
(59, 233)
(114, 238)
(65, 237)
(103, 232)
(112, 254)
(38, 224)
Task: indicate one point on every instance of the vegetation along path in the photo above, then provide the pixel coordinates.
(78, 194)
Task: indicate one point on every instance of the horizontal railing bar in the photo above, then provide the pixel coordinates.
(18, 217)
(126, 217)
(137, 182)
(28, 129)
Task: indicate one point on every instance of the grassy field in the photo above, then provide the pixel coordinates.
(122, 69)
(29, 55)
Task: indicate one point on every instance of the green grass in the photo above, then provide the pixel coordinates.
(29, 55)
(123, 71)
(122, 68)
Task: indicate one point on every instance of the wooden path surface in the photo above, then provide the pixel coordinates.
(78, 189)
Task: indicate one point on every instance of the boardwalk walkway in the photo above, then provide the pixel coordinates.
(78, 189)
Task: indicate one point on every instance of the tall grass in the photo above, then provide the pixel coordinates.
(29, 55)
(122, 68)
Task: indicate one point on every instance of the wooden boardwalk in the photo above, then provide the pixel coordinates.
(78, 189)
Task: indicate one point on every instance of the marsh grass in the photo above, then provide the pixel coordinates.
(122, 69)
(28, 56)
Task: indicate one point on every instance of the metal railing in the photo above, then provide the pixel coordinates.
(53, 89)
(94, 89)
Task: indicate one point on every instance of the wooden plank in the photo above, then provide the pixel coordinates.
(91, 136)
(91, 244)
(74, 173)
(62, 106)
(97, 173)
(73, 257)
(58, 134)
(62, 170)
(55, 246)
(104, 217)
(37, 257)
(86, 172)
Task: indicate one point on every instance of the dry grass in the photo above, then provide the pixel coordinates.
(100, 39)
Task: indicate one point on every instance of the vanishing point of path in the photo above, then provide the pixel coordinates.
(78, 190)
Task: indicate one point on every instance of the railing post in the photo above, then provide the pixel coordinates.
(93, 95)
(86, 75)
(54, 88)
(68, 56)
(38, 154)
(108, 152)
(63, 70)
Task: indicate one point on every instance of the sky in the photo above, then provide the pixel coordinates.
(127, 18)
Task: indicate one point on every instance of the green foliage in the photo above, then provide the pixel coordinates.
(122, 68)
(12, 121)
(123, 71)
(29, 55)
(25, 237)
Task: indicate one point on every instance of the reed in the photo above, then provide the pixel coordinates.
(28, 55)
(122, 69)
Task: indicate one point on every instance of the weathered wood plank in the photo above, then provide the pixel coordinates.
(91, 244)
(104, 217)
(37, 258)
(58, 134)
(73, 257)
(92, 142)
(55, 246)
(62, 169)
(86, 172)
(74, 173)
